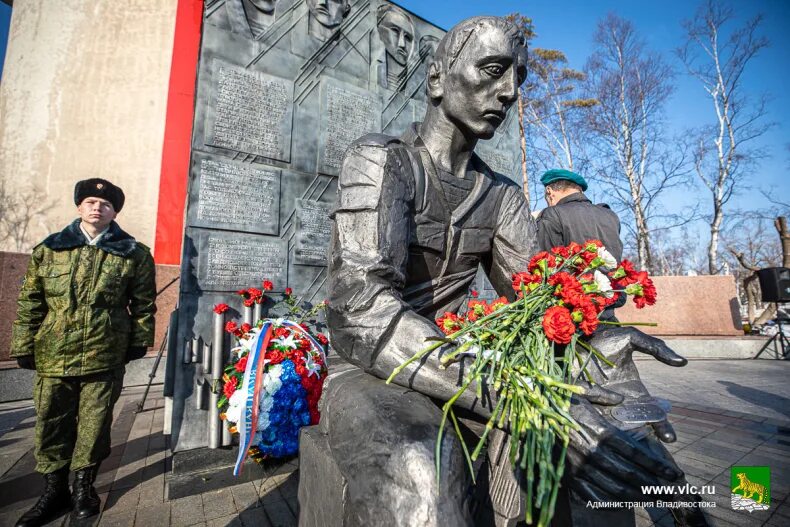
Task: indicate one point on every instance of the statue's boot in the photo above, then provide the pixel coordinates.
(85, 499)
(54, 501)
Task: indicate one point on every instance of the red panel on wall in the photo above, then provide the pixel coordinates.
(178, 133)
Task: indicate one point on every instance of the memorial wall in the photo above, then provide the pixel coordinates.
(284, 86)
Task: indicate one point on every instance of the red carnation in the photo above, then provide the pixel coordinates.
(246, 328)
(497, 303)
(267, 285)
(477, 309)
(567, 288)
(558, 325)
(449, 323)
(526, 279)
(589, 322)
(221, 308)
(547, 259)
(275, 356)
(474, 293)
(281, 332)
(231, 327)
(241, 365)
(230, 387)
(560, 250)
(322, 339)
(288, 291)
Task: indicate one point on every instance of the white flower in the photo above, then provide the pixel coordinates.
(266, 402)
(271, 381)
(608, 260)
(287, 342)
(313, 368)
(603, 284)
(235, 403)
(263, 422)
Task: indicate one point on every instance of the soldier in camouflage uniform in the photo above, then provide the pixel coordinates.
(86, 308)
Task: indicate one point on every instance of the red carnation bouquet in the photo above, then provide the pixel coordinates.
(527, 351)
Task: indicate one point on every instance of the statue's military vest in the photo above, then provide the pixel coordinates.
(445, 245)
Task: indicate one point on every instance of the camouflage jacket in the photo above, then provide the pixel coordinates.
(81, 307)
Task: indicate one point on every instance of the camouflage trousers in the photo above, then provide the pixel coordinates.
(73, 419)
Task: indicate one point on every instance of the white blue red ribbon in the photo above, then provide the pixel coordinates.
(253, 377)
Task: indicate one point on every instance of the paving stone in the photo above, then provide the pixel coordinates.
(123, 500)
(153, 514)
(255, 517)
(123, 519)
(245, 496)
(227, 521)
(218, 503)
(279, 513)
(186, 511)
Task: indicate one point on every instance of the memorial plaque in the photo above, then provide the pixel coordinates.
(347, 113)
(313, 229)
(240, 196)
(229, 261)
(250, 112)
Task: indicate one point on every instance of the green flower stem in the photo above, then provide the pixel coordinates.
(610, 323)
(597, 353)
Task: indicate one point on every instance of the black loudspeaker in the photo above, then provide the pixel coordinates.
(775, 284)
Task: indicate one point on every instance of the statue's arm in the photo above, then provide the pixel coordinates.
(514, 241)
(369, 323)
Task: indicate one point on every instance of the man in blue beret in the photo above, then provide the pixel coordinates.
(571, 216)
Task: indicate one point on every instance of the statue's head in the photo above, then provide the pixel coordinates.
(264, 6)
(396, 31)
(475, 74)
(329, 13)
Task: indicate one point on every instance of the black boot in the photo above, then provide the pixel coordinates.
(84, 498)
(54, 501)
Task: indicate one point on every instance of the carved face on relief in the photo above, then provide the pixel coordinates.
(264, 6)
(396, 31)
(428, 45)
(329, 13)
(476, 78)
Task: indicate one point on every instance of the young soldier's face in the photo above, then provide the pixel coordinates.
(483, 82)
(97, 212)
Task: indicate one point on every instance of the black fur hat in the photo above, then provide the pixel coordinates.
(99, 188)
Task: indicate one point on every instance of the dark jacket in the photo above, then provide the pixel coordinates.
(575, 219)
(81, 307)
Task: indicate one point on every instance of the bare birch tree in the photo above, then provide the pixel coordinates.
(631, 155)
(718, 58)
(552, 110)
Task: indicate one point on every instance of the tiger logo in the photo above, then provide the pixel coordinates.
(749, 488)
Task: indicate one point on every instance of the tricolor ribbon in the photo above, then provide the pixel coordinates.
(253, 380)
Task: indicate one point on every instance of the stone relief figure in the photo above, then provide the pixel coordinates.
(250, 17)
(415, 217)
(427, 47)
(396, 31)
(325, 16)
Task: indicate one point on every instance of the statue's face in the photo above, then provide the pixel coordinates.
(329, 13)
(265, 6)
(483, 82)
(397, 32)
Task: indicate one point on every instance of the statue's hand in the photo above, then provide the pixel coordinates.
(607, 463)
(617, 345)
